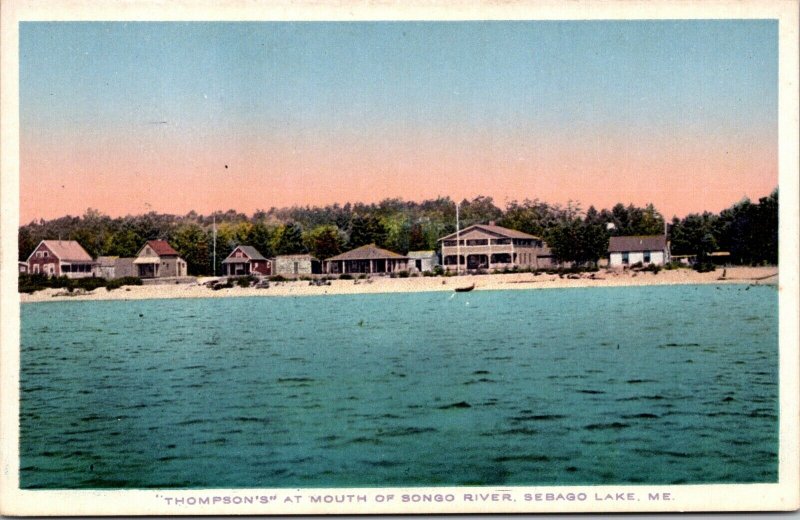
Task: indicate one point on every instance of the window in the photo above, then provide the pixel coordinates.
(477, 242)
(65, 268)
(646, 257)
(44, 254)
(625, 259)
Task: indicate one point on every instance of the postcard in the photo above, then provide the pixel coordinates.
(293, 258)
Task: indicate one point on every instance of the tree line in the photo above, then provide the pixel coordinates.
(748, 230)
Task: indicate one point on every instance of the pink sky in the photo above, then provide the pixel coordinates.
(172, 173)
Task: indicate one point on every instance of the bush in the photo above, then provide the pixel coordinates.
(362, 277)
(438, 270)
(403, 274)
(705, 267)
(125, 280)
(637, 265)
(429, 274)
(345, 276)
(652, 268)
(90, 284)
(278, 278)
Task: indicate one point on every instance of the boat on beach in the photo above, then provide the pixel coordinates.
(465, 289)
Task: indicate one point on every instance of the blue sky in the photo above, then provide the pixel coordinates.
(381, 83)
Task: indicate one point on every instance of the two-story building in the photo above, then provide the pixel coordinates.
(483, 246)
(61, 258)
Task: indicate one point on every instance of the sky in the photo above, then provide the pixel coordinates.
(171, 117)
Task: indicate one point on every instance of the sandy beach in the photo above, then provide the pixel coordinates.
(379, 284)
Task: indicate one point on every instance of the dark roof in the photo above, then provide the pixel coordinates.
(637, 243)
(66, 250)
(368, 252)
(162, 248)
(251, 252)
(497, 230)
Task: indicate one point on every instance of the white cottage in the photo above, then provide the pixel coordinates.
(625, 251)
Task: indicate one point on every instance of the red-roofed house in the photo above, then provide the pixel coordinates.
(245, 260)
(157, 259)
(61, 257)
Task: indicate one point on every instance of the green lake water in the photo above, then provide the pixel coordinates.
(656, 385)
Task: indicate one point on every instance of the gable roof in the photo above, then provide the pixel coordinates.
(65, 250)
(495, 230)
(249, 251)
(160, 247)
(637, 243)
(368, 252)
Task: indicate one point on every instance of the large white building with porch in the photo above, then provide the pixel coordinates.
(490, 247)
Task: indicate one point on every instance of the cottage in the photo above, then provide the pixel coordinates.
(157, 259)
(23, 267)
(422, 261)
(245, 260)
(489, 246)
(625, 251)
(61, 258)
(294, 265)
(366, 259)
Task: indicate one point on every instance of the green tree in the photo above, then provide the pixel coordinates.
(288, 240)
(324, 241)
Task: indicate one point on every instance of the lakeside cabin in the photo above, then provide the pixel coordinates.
(61, 258)
(245, 260)
(422, 261)
(629, 250)
(488, 246)
(157, 259)
(368, 259)
(295, 265)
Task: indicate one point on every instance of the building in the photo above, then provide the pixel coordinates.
(368, 259)
(23, 267)
(124, 267)
(297, 265)
(157, 259)
(625, 251)
(110, 267)
(245, 260)
(422, 261)
(106, 266)
(61, 258)
(494, 247)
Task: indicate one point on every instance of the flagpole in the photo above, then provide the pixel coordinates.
(214, 266)
(458, 243)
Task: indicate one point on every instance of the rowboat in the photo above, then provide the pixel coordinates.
(465, 289)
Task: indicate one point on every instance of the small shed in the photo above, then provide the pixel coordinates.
(297, 265)
(245, 260)
(422, 261)
(106, 266)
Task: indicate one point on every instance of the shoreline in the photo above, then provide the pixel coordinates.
(383, 285)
